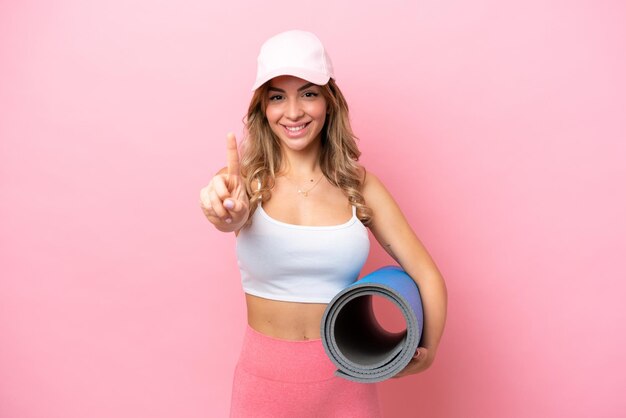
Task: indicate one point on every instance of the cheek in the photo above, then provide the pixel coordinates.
(272, 117)
(323, 119)
(323, 115)
(319, 112)
(270, 114)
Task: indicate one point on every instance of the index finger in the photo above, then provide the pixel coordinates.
(232, 155)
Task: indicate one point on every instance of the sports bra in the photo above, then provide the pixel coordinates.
(300, 263)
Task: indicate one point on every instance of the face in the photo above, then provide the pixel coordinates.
(296, 112)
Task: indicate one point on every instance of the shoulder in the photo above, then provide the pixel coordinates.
(372, 188)
(386, 214)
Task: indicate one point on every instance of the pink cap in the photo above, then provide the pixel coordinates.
(297, 53)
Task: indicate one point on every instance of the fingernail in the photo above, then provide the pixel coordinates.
(229, 204)
(228, 220)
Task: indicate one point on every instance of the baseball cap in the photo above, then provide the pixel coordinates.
(297, 53)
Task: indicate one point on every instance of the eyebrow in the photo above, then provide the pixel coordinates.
(306, 86)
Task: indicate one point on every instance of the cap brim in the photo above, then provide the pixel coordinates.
(311, 76)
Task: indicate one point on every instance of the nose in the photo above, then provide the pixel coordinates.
(294, 110)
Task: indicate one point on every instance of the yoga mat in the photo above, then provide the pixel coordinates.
(356, 343)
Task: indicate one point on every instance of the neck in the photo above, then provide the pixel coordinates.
(301, 164)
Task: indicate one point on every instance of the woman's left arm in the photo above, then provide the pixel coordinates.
(395, 235)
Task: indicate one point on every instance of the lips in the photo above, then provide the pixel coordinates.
(295, 128)
(294, 131)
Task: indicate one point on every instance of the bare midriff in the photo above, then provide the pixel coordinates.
(285, 320)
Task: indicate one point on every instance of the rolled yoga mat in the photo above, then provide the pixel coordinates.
(356, 343)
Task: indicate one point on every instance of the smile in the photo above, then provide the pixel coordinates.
(293, 131)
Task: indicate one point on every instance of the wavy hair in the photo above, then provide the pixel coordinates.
(262, 157)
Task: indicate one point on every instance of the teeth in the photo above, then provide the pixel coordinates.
(295, 128)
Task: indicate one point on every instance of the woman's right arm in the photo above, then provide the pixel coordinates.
(224, 200)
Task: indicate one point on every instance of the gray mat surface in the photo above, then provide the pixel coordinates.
(354, 340)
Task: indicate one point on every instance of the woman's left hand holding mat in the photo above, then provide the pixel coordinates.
(422, 359)
(225, 201)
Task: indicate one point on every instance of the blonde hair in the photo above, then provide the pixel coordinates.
(262, 157)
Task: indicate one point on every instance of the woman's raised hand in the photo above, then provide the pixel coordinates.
(225, 201)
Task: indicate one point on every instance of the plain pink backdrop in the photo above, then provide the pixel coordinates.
(498, 126)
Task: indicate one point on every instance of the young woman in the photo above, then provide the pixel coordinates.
(299, 203)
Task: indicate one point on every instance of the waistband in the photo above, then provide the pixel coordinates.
(284, 360)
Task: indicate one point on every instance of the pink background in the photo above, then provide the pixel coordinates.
(498, 126)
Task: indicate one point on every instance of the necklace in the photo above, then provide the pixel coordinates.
(305, 193)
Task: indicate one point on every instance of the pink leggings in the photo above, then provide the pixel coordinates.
(282, 378)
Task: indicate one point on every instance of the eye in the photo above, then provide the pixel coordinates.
(275, 97)
(310, 94)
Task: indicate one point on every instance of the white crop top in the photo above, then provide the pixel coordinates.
(299, 263)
